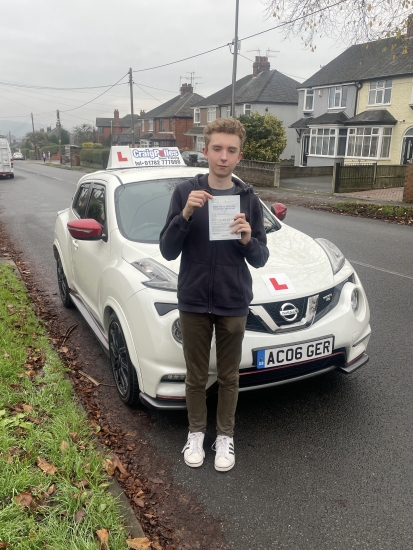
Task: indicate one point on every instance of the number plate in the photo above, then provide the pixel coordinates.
(282, 356)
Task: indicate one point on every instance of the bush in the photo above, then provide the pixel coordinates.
(26, 153)
(105, 157)
(97, 146)
(266, 138)
(95, 156)
(87, 145)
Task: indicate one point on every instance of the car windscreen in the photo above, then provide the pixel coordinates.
(142, 207)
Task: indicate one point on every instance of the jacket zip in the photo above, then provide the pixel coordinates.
(211, 278)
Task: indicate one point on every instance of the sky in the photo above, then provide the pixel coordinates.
(93, 43)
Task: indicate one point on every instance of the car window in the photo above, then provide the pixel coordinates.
(142, 207)
(96, 209)
(80, 202)
(271, 223)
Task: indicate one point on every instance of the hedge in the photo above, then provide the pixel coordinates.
(95, 156)
(51, 148)
(26, 153)
(87, 145)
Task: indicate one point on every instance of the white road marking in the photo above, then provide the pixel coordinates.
(60, 179)
(381, 269)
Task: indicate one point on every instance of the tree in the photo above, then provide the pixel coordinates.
(266, 138)
(37, 138)
(64, 136)
(348, 21)
(82, 133)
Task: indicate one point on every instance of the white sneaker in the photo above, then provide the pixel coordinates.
(225, 454)
(194, 453)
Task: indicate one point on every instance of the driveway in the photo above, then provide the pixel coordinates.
(319, 184)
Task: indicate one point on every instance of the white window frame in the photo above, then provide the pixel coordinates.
(211, 114)
(362, 135)
(309, 93)
(323, 138)
(161, 124)
(333, 93)
(247, 109)
(197, 115)
(142, 126)
(228, 111)
(200, 143)
(150, 125)
(380, 87)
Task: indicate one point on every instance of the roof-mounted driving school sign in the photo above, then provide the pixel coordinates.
(125, 157)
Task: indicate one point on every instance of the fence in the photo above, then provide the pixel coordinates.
(265, 174)
(360, 177)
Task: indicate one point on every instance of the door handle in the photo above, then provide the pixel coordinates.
(75, 245)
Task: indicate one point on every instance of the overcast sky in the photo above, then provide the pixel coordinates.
(85, 43)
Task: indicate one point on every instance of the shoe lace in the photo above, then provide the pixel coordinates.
(193, 443)
(221, 446)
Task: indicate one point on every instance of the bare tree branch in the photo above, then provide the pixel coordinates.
(346, 21)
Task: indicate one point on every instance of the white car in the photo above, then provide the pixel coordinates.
(309, 314)
(18, 156)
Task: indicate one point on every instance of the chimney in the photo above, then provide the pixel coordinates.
(116, 118)
(142, 113)
(186, 89)
(260, 65)
(409, 32)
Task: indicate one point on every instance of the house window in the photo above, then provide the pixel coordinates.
(171, 124)
(247, 109)
(309, 100)
(322, 141)
(197, 115)
(142, 126)
(150, 122)
(380, 92)
(200, 143)
(228, 111)
(337, 97)
(161, 124)
(342, 142)
(369, 142)
(212, 114)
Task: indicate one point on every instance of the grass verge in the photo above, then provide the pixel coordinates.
(53, 485)
(398, 214)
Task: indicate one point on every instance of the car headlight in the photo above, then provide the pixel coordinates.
(355, 300)
(335, 255)
(159, 276)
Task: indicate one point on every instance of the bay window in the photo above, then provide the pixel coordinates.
(369, 142)
(322, 141)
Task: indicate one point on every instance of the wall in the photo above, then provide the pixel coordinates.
(305, 171)
(408, 185)
(399, 108)
(182, 125)
(263, 174)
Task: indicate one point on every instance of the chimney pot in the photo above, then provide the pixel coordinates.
(186, 89)
(116, 117)
(409, 32)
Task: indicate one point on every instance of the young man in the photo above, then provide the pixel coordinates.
(214, 285)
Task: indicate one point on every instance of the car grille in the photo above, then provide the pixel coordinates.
(325, 300)
(259, 377)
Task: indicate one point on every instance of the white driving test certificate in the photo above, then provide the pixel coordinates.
(221, 212)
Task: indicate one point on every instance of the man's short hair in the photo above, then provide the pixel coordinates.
(224, 126)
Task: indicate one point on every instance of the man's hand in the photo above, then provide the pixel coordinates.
(196, 199)
(241, 225)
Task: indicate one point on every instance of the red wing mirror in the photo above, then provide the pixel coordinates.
(279, 210)
(85, 230)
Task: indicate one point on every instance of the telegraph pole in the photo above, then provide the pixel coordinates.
(60, 137)
(234, 65)
(34, 139)
(131, 107)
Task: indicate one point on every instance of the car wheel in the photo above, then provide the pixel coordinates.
(11, 176)
(124, 372)
(62, 283)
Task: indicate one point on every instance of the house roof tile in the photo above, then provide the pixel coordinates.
(302, 122)
(372, 60)
(330, 118)
(267, 87)
(179, 106)
(373, 116)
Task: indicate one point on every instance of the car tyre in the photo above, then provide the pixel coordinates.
(124, 372)
(11, 176)
(62, 283)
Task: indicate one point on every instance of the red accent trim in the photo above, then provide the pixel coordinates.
(291, 364)
(354, 360)
(276, 285)
(85, 229)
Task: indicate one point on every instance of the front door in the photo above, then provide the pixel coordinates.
(305, 144)
(407, 150)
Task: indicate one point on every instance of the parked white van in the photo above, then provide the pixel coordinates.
(6, 161)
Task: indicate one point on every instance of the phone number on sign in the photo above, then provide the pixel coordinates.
(160, 162)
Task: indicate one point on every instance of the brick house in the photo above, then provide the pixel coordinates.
(167, 124)
(264, 91)
(114, 125)
(358, 107)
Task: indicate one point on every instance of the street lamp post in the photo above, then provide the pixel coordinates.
(234, 64)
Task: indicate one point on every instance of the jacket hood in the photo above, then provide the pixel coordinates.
(200, 181)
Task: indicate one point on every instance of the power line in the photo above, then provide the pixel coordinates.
(19, 85)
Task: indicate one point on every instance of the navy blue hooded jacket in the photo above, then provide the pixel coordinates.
(213, 277)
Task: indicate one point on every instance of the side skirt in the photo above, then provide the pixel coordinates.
(90, 320)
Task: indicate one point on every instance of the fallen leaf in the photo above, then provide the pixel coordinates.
(45, 466)
(6, 356)
(79, 515)
(103, 538)
(31, 373)
(27, 408)
(118, 464)
(139, 544)
(24, 500)
(64, 349)
(109, 467)
(4, 544)
(64, 445)
(74, 437)
(156, 480)
(139, 502)
(51, 489)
